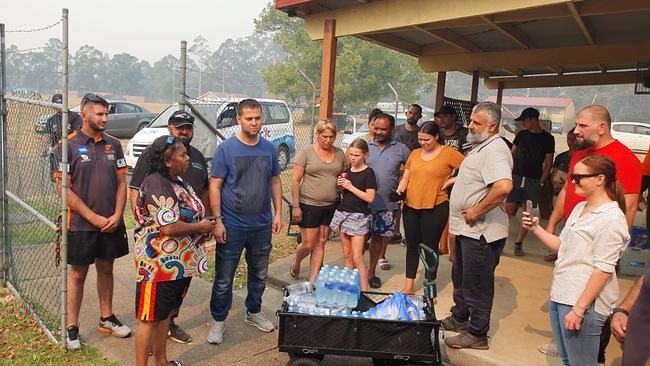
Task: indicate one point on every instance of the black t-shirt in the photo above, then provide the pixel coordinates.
(531, 150)
(362, 180)
(408, 138)
(53, 125)
(196, 174)
(562, 161)
(457, 140)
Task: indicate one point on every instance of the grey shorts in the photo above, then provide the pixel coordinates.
(351, 223)
(524, 189)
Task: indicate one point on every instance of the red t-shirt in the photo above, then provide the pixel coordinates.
(628, 172)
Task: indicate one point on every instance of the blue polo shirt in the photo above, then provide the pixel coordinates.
(246, 192)
(386, 165)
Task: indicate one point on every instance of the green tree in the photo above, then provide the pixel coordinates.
(363, 69)
(124, 75)
(89, 69)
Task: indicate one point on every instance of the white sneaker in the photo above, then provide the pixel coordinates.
(73, 343)
(259, 321)
(550, 349)
(215, 334)
(115, 327)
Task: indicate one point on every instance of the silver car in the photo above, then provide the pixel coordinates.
(125, 118)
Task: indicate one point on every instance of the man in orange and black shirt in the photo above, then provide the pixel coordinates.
(96, 200)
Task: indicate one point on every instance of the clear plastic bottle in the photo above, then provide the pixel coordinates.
(357, 277)
(330, 288)
(341, 290)
(321, 292)
(353, 293)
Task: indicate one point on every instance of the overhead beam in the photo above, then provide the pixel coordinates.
(391, 14)
(601, 68)
(624, 77)
(394, 43)
(556, 69)
(515, 71)
(587, 8)
(451, 38)
(562, 56)
(580, 22)
(511, 32)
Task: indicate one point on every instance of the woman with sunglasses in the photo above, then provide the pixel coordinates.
(169, 245)
(585, 289)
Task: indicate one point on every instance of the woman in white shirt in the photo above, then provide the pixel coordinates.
(585, 288)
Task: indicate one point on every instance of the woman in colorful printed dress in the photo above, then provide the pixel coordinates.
(169, 246)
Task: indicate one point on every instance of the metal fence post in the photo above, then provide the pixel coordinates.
(64, 182)
(183, 79)
(4, 261)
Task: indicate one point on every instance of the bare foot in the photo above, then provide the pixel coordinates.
(408, 291)
(295, 274)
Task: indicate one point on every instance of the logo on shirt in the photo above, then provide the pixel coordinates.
(84, 157)
(197, 166)
(121, 163)
(108, 149)
(82, 149)
(110, 156)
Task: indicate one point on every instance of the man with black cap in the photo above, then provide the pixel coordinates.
(52, 130)
(532, 152)
(181, 126)
(452, 134)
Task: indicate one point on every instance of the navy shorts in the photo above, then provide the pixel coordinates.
(85, 246)
(524, 189)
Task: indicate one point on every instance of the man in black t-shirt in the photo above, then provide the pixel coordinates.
(408, 133)
(532, 153)
(52, 130)
(181, 126)
(452, 134)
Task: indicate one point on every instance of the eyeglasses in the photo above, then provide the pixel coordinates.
(94, 98)
(577, 177)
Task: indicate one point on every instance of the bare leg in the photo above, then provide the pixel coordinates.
(357, 259)
(309, 239)
(160, 343)
(76, 279)
(408, 287)
(105, 285)
(511, 208)
(346, 244)
(377, 244)
(318, 252)
(398, 220)
(143, 342)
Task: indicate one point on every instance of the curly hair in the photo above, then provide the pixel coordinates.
(161, 151)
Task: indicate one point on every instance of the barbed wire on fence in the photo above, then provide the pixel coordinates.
(34, 29)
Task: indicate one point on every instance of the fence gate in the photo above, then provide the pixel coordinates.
(33, 254)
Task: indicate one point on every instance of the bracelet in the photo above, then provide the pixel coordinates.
(576, 313)
(620, 310)
(294, 207)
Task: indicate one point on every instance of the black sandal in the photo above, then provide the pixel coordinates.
(374, 282)
(175, 363)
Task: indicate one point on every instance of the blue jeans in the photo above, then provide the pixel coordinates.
(577, 347)
(258, 249)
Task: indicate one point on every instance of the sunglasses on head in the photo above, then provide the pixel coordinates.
(183, 117)
(577, 177)
(94, 98)
(170, 140)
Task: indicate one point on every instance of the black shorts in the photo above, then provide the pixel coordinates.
(154, 301)
(85, 246)
(315, 216)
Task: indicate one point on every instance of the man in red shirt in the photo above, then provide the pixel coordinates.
(593, 136)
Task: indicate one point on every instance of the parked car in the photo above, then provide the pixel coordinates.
(222, 117)
(634, 135)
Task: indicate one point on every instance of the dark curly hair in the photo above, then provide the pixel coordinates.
(161, 151)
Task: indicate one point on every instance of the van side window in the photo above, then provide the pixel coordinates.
(228, 117)
(278, 113)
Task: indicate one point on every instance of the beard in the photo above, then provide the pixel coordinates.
(477, 138)
(584, 143)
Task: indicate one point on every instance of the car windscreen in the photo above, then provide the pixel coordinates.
(208, 110)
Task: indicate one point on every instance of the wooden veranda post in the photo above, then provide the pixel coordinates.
(328, 70)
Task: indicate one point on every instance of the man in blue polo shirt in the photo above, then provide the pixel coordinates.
(245, 177)
(385, 156)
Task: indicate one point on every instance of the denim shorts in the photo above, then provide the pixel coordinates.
(351, 223)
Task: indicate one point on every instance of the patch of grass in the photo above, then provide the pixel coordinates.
(22, 341)
(283, 246)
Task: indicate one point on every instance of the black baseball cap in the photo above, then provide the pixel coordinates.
(445, 109)
(181, 118)
(528, 113)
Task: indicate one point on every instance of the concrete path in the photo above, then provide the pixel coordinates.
(519, 318)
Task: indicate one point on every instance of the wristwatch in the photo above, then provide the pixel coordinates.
(620, 310)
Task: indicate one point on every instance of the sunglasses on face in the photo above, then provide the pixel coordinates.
(577, 177)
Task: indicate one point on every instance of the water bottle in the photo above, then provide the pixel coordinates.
(321, 293)
(353, 293)
(341, 290)
(330, 290)
(357, 277)
(301, 288)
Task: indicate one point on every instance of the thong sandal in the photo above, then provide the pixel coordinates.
(175, 363)
(384, 264)
(293, 274)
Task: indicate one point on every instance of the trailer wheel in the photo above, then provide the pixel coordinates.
(303, 361)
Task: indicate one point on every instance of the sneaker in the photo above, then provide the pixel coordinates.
(259, 320)
(177, 334)
(73, 343)
(549, 349)
(396, 238)
(466, 340)
(112, 325)
(215, 334)
(451, 324)
(519, 251)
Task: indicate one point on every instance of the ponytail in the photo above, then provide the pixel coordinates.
(616, 191)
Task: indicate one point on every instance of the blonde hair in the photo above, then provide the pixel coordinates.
(325, 124)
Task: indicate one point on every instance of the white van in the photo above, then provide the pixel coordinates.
(277, 127)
